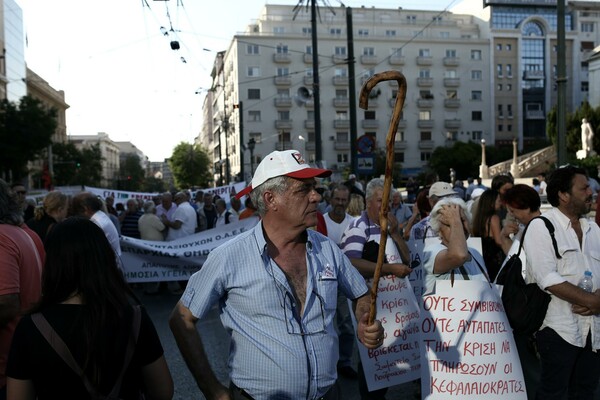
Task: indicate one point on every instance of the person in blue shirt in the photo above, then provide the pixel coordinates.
(276, 287)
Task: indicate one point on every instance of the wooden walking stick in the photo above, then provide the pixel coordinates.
(389, 165)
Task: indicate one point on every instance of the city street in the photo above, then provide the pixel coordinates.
(216, 344)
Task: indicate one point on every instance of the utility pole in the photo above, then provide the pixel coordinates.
(316, 96)
(240, 108)
(561, 82)
(352, 89)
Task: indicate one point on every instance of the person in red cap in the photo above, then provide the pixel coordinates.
(276, 287)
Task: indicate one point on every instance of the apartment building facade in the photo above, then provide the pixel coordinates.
(267, 74)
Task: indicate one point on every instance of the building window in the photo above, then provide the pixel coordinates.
(341, 115)
(476, 95)
(499, 47)
(390, 32)
(587, 27)
(499, 87)
(424, 115)
(363, 32)
(509, 128)
(368, 51)
(341, 94)
(308, 50)
(253, 94)
(342, 157)
(450, 53)
(283, 71)
(308, 72)
(509, 70)
(476, 115)
(342, 137)
(451, 94)
(509, 112)
(508, 87)
(500, 111)
(257, 136)
(340, 50)
(341, 72)
(310, 115)
(370, 115)
(425, 136)
(425, 156)
(283, 115)
(283, 93)
(424, 73)
(476, 75)
(278, 30)
(475, 54)
(253, 71)
(411, 19)
(476, 135)
(254, 116)
(500, 128)
(424, 53)
(306, 30)
(585, 86)
(396, 52)
(508, 47)
(252, 49)
(282, 49)
(444, 35)
(399, 157)
(400, 136)
(335, 31)
(499, 70)
(450, 73)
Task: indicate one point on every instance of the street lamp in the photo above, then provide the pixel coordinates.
(483, 168)
(251, 145)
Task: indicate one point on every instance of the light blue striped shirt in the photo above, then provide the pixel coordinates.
(266, 358)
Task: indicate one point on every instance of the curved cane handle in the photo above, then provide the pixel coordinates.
(389, 165)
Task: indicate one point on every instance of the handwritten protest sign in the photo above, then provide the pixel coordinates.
(398, 359)
(467, 346)
(148, 261)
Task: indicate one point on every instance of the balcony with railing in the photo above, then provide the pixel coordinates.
(341, 145)
(309, 123)
(342, 102)
(280, 146)
(451, 82)
(340, 80)
(282, 58)
(397, 60)
(424, 82)
(425, 103)
(283, 124)
(400, 145)
(425, 123)
(339, 59)
(369, 59)
(452, 123)
(308, 58)
(308, 80)
(451, 61)
(283, 102)
(452, 103)
(370, 123)
(424, 60)
(283, 80)
(341, 124)
(309, 146)
(534, 114)
(426, 144)
(533, 75)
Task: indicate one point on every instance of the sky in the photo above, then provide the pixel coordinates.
(117, 68)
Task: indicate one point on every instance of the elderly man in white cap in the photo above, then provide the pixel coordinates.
(437, 191)
(276, 287)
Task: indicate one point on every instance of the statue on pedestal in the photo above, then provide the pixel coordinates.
(587, 136)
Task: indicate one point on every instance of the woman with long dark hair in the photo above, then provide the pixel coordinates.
(88, 305)
(486, 225)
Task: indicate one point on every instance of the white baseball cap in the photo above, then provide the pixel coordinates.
(282, 163)
(441, 189)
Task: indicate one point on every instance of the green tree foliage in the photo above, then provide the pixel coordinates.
(25, 132)
(153, 185)
(465, 158)
(190, 166)
(75, 167)
(573, 129)
(131, 173)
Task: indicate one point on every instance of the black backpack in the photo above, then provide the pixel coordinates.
(525, 304)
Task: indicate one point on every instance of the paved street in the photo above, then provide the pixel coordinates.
(216, 343)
